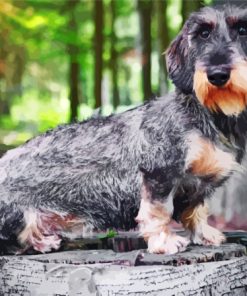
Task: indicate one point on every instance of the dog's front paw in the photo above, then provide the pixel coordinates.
(167, 244)
(207, 235)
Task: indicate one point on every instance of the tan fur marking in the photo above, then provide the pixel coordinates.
(205, 159)
(195, 220)
(231, 99)
(191, 217)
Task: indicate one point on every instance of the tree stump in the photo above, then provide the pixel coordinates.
(197, 271)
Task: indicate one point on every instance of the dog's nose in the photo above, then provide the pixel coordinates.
(218, 77)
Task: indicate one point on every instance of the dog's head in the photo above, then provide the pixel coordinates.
(209, 56)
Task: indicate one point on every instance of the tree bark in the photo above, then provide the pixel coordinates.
(74, 67)
(98, 46)
(114, 58)
(163, 42)
(145, 11)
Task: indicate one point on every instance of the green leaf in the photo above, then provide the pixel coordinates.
(110, 234)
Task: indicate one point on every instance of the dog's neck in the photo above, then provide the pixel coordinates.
(234, 128)
(231, 131)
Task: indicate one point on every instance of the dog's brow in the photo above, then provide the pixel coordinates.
(202, 22)
(232, 20)
(205, 17)
(235, 15)
(198, 24)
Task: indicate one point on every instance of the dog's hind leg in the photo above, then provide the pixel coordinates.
(39, 232)
(44, 229)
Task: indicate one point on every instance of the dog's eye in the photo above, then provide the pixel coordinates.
(242, 30)
(205, 31)
(204, 34)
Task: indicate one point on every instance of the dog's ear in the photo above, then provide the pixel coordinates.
(178, 62)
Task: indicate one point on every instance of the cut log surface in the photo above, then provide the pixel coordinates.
(104, 272)
(197, 271)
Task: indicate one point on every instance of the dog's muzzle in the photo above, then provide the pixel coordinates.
(222, 88)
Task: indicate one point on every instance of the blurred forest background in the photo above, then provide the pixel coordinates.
(63, 60)
(60, 60)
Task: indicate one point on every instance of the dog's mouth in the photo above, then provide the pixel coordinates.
(222, 89)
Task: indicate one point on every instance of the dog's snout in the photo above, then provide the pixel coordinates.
(218, 77)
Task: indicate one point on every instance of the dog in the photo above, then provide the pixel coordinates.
(155, 162)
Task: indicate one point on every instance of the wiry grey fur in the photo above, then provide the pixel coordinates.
(95, 169)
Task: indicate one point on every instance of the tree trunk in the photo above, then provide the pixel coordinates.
(15, 67)
(74, 89)
(145, 11)
(98, 46)
(163, 42)
(74, 67)
(12, 67)
(114, 57)
(3, 69)
(19, 61)
(190, 6)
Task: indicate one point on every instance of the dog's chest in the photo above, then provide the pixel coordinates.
(208, 159)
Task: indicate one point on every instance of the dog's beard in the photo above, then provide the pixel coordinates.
(230, 99)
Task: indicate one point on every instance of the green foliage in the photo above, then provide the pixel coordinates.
(35, 38)
(110, 234)
(44, 112)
